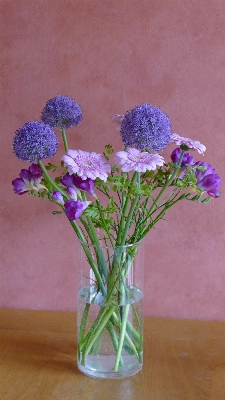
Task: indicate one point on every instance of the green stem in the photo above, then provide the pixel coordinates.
(121, 339)
(168, 182)
(64, 139)
(49, 179)
(97, 332)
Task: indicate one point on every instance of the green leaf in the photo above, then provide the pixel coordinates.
(56, 212)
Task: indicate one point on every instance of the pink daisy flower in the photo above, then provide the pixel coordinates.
(86, 165)
(135, 160)
(118, 118)
(192, 144)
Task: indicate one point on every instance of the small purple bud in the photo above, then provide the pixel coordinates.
(72, 192)
(57, 196)
(74, 209)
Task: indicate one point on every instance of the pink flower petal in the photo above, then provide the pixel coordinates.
(192, 144)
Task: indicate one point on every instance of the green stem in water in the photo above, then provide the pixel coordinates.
(121, 339)
(100, 327)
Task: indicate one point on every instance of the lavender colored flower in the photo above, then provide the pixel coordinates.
(35, 141)
(187, 158)
(192, 144)
(135, 160)
(145, 127)
(74, 208)
(62, 111)
(86, 165)
(207, 180)
(57, 196)
(30, 179)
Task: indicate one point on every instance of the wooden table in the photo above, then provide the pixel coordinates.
(183, 359)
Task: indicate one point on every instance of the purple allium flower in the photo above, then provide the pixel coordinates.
(145, 127)
(86, 165)
(192, 144)
(74, 208)
(35, 141)
(62, 111)
(72, 192)
(207, 180)
(57, 196)
(187, 158)
(135, 160)
(29, 180)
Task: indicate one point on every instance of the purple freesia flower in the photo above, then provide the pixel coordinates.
(144, 127)
(30, 179)
(67, 180)
(62, 111)
(187, 158)
(74, 208)
(86, 185)
(207, 180)
(35, 141)
(57, 196)
(35, 170)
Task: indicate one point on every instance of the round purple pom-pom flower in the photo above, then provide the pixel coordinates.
(35, 141)
(145, 127)
(62, 111)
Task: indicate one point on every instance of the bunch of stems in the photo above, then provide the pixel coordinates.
(110, 277)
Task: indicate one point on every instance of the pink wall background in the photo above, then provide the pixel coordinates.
(110, 56)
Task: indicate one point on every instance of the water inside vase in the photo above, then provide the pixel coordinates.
(101, 359)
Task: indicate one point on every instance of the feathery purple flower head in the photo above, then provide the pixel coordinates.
(145, 127)
(62, 111)
(35, 141)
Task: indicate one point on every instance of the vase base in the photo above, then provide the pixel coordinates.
(105, 373)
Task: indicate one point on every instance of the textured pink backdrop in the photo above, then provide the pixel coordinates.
(111, 55)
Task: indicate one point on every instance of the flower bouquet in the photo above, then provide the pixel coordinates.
(111, 202)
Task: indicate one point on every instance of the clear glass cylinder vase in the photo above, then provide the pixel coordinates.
(110, 310)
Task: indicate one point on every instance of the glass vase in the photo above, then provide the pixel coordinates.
(110, 310)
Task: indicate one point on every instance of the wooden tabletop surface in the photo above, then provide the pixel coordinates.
(183, 360)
